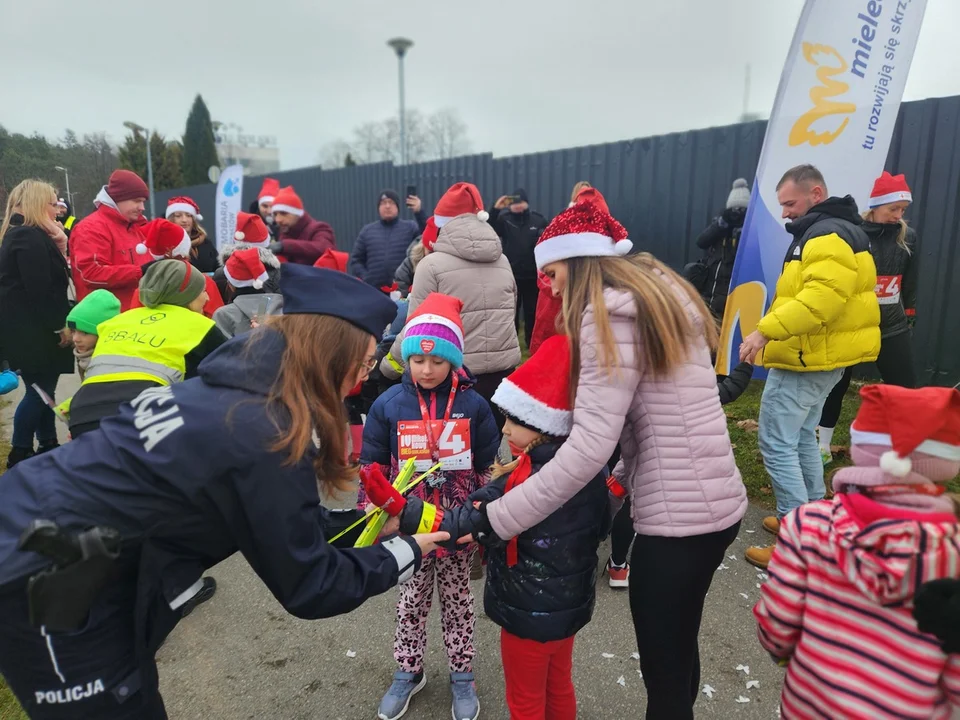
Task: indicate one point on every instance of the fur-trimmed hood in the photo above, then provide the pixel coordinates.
(266, 257)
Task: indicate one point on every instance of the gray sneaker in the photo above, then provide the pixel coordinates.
(395, 703)
(465, 706)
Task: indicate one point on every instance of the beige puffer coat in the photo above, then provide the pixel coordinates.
(468, 262)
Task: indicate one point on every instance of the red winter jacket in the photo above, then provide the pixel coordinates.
(306, 241)
(103, 254)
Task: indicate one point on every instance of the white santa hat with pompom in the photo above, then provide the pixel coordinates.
(244, 268)
(461, 199)
(925, 421)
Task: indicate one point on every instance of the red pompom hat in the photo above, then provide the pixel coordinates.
(538, 392)
(583, 230)
(890, 189)
(926, 420)
(244, 268)
(269, 190)
(162, 238)
(461, 199)
(251, 230)
(287, 200)
(182, 203)
(430, 234)
(591, 195)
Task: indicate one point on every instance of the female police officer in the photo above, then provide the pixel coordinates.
(182, 478)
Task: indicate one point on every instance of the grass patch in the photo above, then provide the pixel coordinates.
(9, 707)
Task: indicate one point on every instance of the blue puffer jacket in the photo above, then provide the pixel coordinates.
(400, 403)
(381, 247)
(550, 593)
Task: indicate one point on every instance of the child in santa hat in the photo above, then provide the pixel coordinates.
(167, 240)
(839, 602)
(435, 386)
(251, 303)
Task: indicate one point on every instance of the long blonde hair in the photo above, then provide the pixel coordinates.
(30, 198)
(901, 236)
(664, 330)
(582, 185)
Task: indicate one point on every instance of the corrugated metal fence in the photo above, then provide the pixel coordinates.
(666, 189)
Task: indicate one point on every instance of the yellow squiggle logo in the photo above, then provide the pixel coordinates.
(745, 305)
(821, 97)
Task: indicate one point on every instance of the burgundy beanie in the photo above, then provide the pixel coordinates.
(126, 185)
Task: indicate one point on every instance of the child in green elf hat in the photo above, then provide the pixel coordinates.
(97, 307)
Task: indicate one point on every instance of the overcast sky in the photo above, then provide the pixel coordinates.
(525, 75)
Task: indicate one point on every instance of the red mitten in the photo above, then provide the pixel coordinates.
(380, 492)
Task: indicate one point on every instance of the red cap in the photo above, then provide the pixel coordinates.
(163, 238)
(126, 185)
(251, 230)
(244, 268)
(269, 190)
(592, 195)
(430, 234)
(461, 199)
(333, 260)
(538, 392)
(287, 200)
(890, 189)
(182, 203)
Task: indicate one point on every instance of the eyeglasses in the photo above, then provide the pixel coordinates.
(369, 365)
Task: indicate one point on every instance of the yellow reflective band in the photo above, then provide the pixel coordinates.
(427, 519)
(68, 223)
(394, 364)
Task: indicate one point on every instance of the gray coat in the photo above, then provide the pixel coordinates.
(234, 319)
(468, 262)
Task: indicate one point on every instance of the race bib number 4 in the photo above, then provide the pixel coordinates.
(453, 441)
(888, 289)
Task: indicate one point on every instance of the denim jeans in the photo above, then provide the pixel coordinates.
(789, 413)
(33, 417)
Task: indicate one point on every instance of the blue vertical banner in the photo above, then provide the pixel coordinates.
(229, 193)
(836, 108)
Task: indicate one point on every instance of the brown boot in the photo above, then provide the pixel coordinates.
(771, 525)
(759, 556)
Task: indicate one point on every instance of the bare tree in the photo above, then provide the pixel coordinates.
(335, 154)
(447, 135)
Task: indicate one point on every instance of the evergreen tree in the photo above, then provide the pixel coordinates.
(348, 161)
(199, 149)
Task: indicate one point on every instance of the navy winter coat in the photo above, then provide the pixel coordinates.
(400, 403)
(185, 475)
(550, 593)
(381, 247)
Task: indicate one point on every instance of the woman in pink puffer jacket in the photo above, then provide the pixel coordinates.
(642, 376)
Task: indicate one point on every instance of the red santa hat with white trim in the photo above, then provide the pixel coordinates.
(461, 199)
(890, 189)
(583, 230)
(251, 230)
(163, 238)
(268, 191)
(244, 268)
(925, 420)
(537, 394)
(182, 203)
(287, 200)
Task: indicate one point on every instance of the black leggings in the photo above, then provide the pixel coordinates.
(667, 606)
(621, 534)
(895, 364)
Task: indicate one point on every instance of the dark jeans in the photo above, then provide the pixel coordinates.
(670, 577)
(486, 386)
(527, 294)
(895, 364)
(33, 418)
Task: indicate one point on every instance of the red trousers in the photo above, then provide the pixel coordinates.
(539, 678)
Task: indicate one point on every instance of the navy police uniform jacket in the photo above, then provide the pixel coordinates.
(185, 475)
(551, 591)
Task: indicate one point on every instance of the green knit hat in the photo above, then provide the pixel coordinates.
(97, 307)
(171, 282)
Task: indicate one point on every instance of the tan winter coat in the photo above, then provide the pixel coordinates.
(468, 262)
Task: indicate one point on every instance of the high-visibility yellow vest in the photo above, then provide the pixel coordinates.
(146, 344)
(68, 223)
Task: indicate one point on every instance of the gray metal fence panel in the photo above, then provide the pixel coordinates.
(665, 190)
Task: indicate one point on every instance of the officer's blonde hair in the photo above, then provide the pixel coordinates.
(30, 198)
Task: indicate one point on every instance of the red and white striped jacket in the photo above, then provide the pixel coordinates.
(838, 605)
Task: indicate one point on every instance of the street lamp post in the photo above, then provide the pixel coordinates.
(66, 175)
(139, 128)
(400, 46)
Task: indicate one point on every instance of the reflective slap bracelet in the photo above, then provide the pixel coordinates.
(615, 488)
(394, 364)
(430, 519)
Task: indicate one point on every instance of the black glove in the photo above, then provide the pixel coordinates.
(937, 611)
(276, 247)
(734, 217)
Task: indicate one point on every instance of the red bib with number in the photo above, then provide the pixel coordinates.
(453, 444)
(888, 289)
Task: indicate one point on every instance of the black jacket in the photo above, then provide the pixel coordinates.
(188, 481)
(33, 301)
(719, 241)
(550, 593)
(518, 235)
(206, 259)
(896, 275)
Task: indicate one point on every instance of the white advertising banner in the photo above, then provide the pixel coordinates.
(229, 193)
(836, 108)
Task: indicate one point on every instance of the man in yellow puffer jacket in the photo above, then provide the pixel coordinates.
(824, 318)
